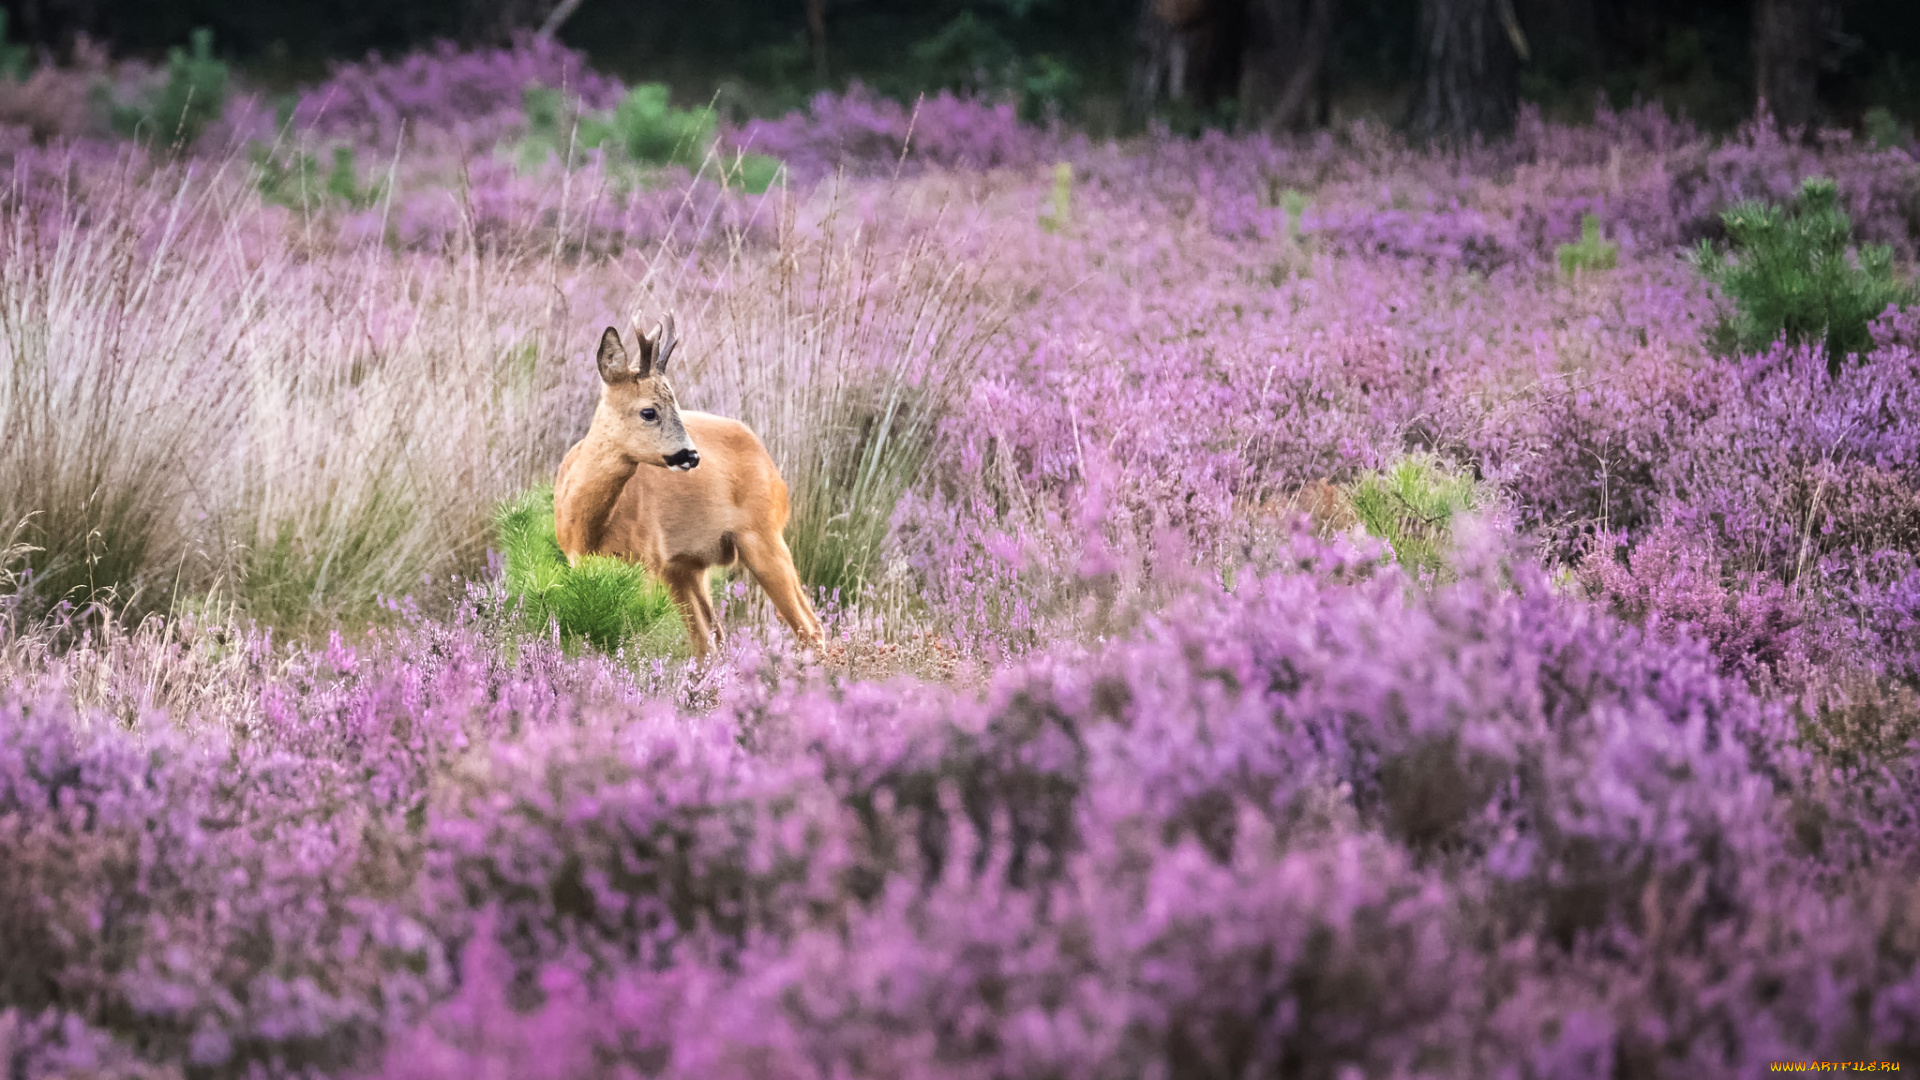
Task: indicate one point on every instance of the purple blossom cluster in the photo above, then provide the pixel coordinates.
(860, 133)
(446, 88)
(1285, 829)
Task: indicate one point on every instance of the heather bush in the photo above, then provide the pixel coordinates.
(1674, 583)
(50, 103)
(474, 94)
(1794, 276)
(861, 133)
(602, 601)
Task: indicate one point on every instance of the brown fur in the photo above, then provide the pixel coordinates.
(615, 495)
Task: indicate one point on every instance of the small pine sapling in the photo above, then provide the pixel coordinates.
(604, 602)
(1059, 212)
(754, 173)
(1884, 131)
(192, 98)
(1793, 273)
(1294, 203)
(1411, 505)
(1590, 252)
(14, 59)
(646, 130)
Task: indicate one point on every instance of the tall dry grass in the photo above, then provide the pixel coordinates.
(844, 346)
(204, 409)
(121, 320)
(195, 407)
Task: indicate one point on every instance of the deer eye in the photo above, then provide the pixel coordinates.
(649, 415)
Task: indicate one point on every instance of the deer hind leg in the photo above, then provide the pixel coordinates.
(772, 566)
(686, 584)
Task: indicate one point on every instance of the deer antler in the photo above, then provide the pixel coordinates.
(662, 342)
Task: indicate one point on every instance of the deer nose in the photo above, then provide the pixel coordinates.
(683, 459)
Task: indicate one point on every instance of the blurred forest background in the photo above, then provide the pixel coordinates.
(1435, 67)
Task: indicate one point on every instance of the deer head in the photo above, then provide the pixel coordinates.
(637, 410)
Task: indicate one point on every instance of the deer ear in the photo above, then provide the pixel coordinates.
(615, 367)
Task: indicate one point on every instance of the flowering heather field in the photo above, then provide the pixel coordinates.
(1130, 755)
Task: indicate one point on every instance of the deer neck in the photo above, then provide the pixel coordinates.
(593, 486)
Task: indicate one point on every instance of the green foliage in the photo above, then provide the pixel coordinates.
(1047, 84)
(754, 173)
(1059, 212)
(329, 563)
(1794, 274)
(14, 59)
(550, 123)
(296, 179)
(1884, 130)
(968, 53)
(1590, 252)
(645, 130)
(604, 602)
(1295, 204)
(975, 53)
(1411, 505)
(194, 96)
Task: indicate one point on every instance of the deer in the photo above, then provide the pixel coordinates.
(677, 492)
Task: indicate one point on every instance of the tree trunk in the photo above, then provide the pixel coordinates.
(1188, 54)
(499, 22)
(1469, 69)
(1567, 39)
(1788, 38)
(817, 38)
(1286, 68)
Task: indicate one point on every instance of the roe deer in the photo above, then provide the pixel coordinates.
(636, 487)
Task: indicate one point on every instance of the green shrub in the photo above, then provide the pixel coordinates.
(1590, 252)
(646, 130)
(1411, 505)
(329, 562)
(604, 602)
(1295, 203)
(1793, 273)
(14, 59)
(550, 122)
(755, 173)
(1884, 130)
(643, 132)
(296, 180)
(1059, 212)
(194, 96)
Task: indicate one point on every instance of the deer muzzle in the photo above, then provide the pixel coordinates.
(682, 460)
